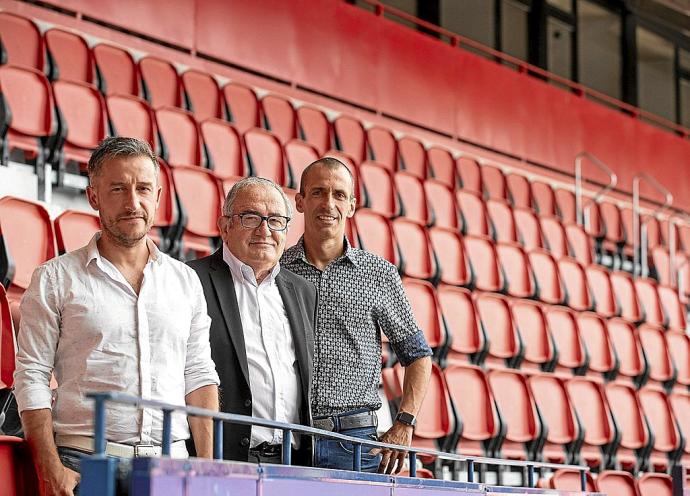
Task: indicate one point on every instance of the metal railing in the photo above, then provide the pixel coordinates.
(288, 430)
(640, 258)
(579, 190)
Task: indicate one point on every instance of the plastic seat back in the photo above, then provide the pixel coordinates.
(613, 223)
(265, 156)
(656, 351)
(599, 282)
(350, 137)
(679, 346)
(380, 187)
(625, 292)
(544, 199)
(529, 230)
(618, 483)
(657, 407)
(118, 73)
(74, 229)
(626, 343)
(203, 95)
(595, 336)
(426, 309)
(534, 333)
(242, 105)
(413, 157)
(502, 220)
(383, 148)
(580, 244)
(648, 297)
(279, 117)
(564, 330)
(131, 116)
(557, 413)
(299, 155)
(442, 165)
(223, 148)
(672, 307)
(651, 484)
(314, 128)
(519, 191)
(484, 264)
(680, 404)
(548, 280)
(441, 199)
(161, 82)
(375, 234)
(24, 45)
(180, 137)
(515, 266)
(497, 322)
(470, 175)
(474, 215)
(555, 239)
(466, 337)
(417, 257)
(494, 182)
(70, 56)
(410, 189)
(449, 249)
(569, 480)
(565, 203)
(626, 409)
(575, 282)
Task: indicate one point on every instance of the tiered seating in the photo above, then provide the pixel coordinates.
(314, 128)
(132, 116)
(74, 229)
(161, 82)
(117, 72)
(279, 117)
(203, 95)
(23, 43)
(70, 57)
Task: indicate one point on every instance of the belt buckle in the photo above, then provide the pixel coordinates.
(325, 424)
(145, 450)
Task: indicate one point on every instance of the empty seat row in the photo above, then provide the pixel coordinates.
(612, 482)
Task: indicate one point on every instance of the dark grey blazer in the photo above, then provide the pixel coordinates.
(229, 353)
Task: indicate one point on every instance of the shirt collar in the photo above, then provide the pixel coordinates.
(297, 252)
(242, 271)
(92, 252)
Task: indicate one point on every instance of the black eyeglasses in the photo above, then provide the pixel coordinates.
(252, 221)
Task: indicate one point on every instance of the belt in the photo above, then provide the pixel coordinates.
(268, 450)
(178, 449)
(337, 423)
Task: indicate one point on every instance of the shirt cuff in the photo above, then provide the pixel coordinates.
(198, 381)
(412, 348)
(34, 398)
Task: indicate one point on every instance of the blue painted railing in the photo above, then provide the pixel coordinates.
(98, 471)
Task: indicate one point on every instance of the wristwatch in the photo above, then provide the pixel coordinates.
(406, 418)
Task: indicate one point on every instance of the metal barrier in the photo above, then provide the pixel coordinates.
(98, 470)
(613, 181)
(640, 258)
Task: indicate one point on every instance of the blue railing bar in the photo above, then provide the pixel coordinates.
(99, 426)
(470, 470)
(217, 439)
(167, 432)
(413, 464)
(357, 457)
(583, 480)
(287, 446)
(530, 475)
(302, 429)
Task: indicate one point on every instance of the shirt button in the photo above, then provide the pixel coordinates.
(247, 403)
(245, 441)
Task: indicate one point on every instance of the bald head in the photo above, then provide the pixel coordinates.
(329, 163)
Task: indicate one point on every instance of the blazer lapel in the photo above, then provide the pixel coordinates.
(221, 277)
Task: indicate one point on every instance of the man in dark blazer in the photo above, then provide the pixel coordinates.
(262, 330)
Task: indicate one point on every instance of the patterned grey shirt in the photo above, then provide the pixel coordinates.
(359, 293)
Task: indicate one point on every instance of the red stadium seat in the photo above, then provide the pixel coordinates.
(427, 311)
(417, 258)
(383, 148)
(631, 423)
(600, 350)
(223, 149)
(628, 348)
(265, 156)
(470, 175)
(502, 336)
(71, 58)
(467, 341)
(296, 227)
(599, 281)
(449, 249)
(549, 285)
(167, 227)
(442, 202)
(529, 230)
(657, 353)
(624, 289)
(279, 117)
(494, 183)
(555, 239)
(662, 265)
(33, 127)
(648, 297)
(442, 165)
(131, 116)
(375, 234)
(24, 45)
(474, 215)
(180, 138)
(532, 327)
(161, 82)
(672, 307)
(117, 71)
(413, 157)
(559, 416)
(569, 480)
(575, 282)
(411, 192)
(203, 95)
(243, 106)
(679, 346)
(314, 128)
(565, 204)
(587, 396)
(680, 403)
(484, 263)
(7, 344)
(519, 412)
(74, 229)
(380, 187)
(667, 439)
(593, 221)
(651, 484)
(544, 199)
(471, 394)
(519, 191)
(565, 331)
(580, 243)
(516, 268)
(618, 483)
(299, 155)
(192, 183)
(350, 137)
(502, 221)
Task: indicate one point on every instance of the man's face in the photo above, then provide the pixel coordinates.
(326, 200)
(126, 193)
(260, 248)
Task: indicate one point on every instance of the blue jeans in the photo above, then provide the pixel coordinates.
(335, 454)
(71, 458)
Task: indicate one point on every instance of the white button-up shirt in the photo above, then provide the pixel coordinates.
(83, 321)
(273, 369)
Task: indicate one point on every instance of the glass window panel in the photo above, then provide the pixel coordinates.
(559, 48)
(685, 102)
(471, 18)
(514, 29)
(655, 74)
(599, 48)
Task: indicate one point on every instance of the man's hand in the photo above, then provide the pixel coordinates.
(401, 434)
(58, 481)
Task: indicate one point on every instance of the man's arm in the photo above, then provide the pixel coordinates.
(55, 478)
(414, 389)
(202, 427)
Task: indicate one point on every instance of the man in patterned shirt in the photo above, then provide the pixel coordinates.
(360, 295)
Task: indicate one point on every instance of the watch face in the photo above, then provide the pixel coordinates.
(406, 418)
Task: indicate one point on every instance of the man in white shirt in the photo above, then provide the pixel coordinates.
(115, 315)
(262, 337)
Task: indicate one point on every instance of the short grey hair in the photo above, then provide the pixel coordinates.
(253, 181)
(116, 147)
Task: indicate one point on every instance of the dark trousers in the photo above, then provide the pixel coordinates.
(71, 458)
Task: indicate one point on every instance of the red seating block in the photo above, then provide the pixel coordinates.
(265, 156)
(442, 165)
(416, 255)
(223, 149)
(350, 137)
(162, 85)
(180, 138)
(243, 106)
(454, 266)
(131, 116)
(24, 45)
(70, 56)
(413, 157)
(383, 148)
(204, 98)
(118, 73)
(466, 337)
(314, 128)
(74, 229)
(279, 117)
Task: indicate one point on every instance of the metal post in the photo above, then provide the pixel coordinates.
(99, 427)
(530, 475)
(413, 463)
(357, 457)
(470, 470)
(287, 446)
(167, 432)
(583, 480)
(217, 439)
